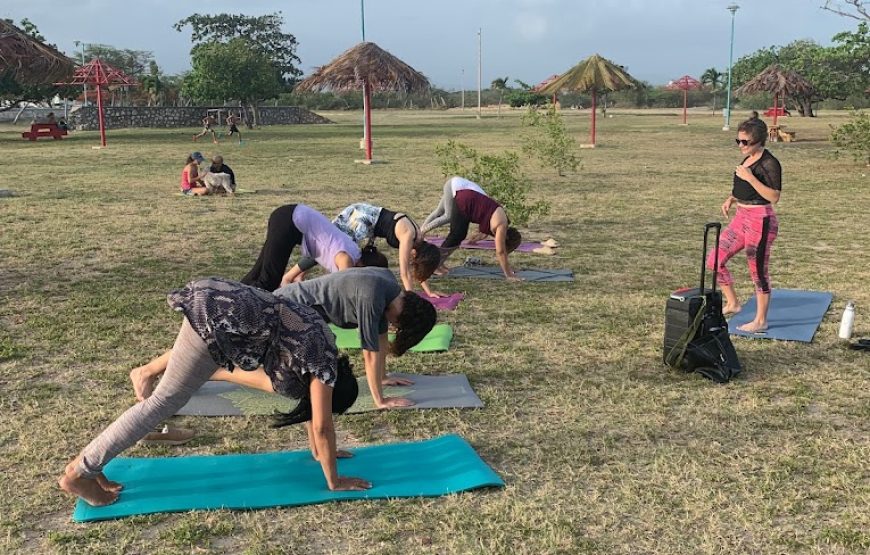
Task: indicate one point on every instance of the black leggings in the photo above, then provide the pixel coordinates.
(281, 237)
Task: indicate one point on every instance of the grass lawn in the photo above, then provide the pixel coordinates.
(603, 450)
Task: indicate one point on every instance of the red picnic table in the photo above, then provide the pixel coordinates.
(43, 130)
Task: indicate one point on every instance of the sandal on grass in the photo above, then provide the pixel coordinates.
(168, 436)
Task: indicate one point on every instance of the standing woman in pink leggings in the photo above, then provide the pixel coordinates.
(757, 187)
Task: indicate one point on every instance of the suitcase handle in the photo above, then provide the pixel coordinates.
(707, 227)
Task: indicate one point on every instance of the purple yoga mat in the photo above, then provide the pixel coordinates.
(444, 303)
(487, 244)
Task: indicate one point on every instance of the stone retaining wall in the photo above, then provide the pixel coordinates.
(118, 117)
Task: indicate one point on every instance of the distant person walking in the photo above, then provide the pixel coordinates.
(232, 126)
(207, 127)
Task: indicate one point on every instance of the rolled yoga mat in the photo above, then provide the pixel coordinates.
(427, 392)
(794, 315)
(436, 340)
(487, 244)
(448, 302)
(431, 468)
(494, 272)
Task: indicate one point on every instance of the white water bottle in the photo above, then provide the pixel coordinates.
(847, 321)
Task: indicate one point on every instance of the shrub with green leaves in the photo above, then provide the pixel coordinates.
(498, 174)
(854, 137)
(546, 138)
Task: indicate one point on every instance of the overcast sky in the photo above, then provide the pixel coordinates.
(657, 40)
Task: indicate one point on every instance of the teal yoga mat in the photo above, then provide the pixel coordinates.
(794, 315)
(436, 340)
(431, 468)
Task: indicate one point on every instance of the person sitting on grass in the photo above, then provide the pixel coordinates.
(191, 181)
(218, 166)
(463, 202)
(207, 127)
(322, 243)
(261, 341)
(417, 258)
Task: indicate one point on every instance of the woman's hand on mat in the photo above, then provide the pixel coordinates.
(346, 483)
(726, 206)
(397, 381)
(513, 278)
(343, 454)
(436, 294)
(394, 402)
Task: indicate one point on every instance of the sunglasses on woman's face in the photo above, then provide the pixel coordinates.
(743, 142)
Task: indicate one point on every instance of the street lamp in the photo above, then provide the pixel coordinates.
(84, 87)
(733, 9)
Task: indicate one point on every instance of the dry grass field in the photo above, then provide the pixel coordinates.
(603, 450)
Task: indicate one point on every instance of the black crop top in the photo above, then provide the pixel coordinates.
(767, 170)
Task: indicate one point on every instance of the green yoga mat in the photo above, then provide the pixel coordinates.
(440, 466)
(436, 340)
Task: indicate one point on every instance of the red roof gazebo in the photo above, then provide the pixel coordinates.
(685, 84)
(100, 74)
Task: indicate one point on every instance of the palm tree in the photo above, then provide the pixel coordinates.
(713, 79)
(500, 85)
(593, 75)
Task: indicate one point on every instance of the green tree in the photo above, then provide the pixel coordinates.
(854, 137)
(713, 78)
(499, 85)
(232, 70)
(263, 33)
(546, 138)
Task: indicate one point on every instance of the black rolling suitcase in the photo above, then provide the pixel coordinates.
(696, 333)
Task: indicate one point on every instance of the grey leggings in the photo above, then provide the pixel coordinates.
(190, 366)
(444, 213)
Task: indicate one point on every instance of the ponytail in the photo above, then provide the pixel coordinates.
(344, 394)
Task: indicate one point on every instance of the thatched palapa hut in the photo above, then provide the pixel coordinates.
(369, 67)
(779, 81)
(29, 61)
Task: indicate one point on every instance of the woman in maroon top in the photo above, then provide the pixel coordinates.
(472, 205)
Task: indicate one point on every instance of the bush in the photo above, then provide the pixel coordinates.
(498, 174)
(854, 137)
(547, 139)
(518, 99)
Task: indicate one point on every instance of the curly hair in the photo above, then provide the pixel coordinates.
(344, 394)
(371, 256)
(426, 260)
(417, 318)
(755, 128)
(513, 239)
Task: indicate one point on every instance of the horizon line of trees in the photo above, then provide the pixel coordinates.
(245, 61)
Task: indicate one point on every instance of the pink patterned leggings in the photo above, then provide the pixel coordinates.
(753, 229)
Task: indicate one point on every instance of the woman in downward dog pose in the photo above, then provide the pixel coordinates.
(322, 243)
(464, 202)
(282, 347)
(757, 187)
(417, 258)
(369, 299)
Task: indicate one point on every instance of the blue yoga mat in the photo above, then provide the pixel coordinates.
(431, 468)
(794, 315)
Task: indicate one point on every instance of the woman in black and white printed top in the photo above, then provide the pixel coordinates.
(266, 342)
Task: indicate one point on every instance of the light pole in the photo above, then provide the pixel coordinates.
(84, 87)
(733, 9)
(479, 70)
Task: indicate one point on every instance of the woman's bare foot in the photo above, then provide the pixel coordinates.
(88, 489)
(730, 310)
(109, 485)
(143, 384)
(753, 327)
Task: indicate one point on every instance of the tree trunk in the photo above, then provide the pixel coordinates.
(805, 106)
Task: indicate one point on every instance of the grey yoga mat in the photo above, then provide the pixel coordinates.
(494, 272)
(427, 392)
(794, 315)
